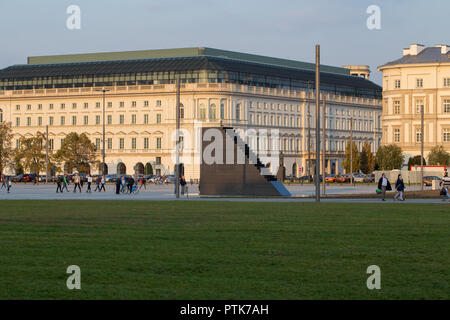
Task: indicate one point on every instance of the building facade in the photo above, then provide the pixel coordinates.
(419, 80)
(218, 88)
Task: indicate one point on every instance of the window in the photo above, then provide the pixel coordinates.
(446, 82)
(28, 121)
(50, 106)
(109, 119)
(74, 120)
(109, 142)
(133, 143)
(158, 160)
(158, 143)
(97, 143)
(1, 115)
(39, 106)
(212, 112)
(17, 122)
(418, 135)
(97, 104)
(50, 121)
(202, 112)
(109, 104)
(39, 121)
(446, 135)
(28, 106)
(63, 120)
(396, 107)
(145, 143)
(133, 119)
(63, 105)
(51, 144)
(419, 106)
(85, 120)
(145, 118)
(97, 119)
(447, 105)
(181, 111)
(86, 105)
(419, 83)
(158, 103)
(158, 118)
(74, 105)
(238, 112)
(121, 143)
(222, 111)
(17, 107)
(121, 119)
(396, 135)
(146, 103)
(122, 104)
(133, 103)
(397, 84)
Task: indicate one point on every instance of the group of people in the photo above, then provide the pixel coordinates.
(130, 184)
(6, 183)
(384, 185)
(62, 183)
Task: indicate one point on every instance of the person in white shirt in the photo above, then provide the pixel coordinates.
(89, 181)
(384, 185)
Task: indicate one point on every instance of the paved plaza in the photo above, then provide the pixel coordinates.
(44, 191)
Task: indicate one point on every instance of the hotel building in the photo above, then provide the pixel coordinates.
(420, 79)
(218, 88)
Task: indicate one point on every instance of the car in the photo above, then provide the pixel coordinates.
(428, 180)
(359, 177)
(305, 179)
(170, 178)
(111, 178)
(343, 178)
(330, 178)
(290, 179)
(17, 178)
(369, 178)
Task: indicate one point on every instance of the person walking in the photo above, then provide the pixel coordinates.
(130, 185)
(384, 185)
(58, 184)
(102, 181)
(65, 183)
(183, 184)
(8, 183)
(444, 191)
(97, 182)
(118, 184)
(89, 182)
(3, 182)
(400, 187)
(77, 183)
(123, 184)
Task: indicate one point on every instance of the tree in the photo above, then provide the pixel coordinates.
(415, 161)
(389, 157)
(367, 159)
(31, 153)
(77, 152)
(438, 156)
(6, 151)
(355, 158)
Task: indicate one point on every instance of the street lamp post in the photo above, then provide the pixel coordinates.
(103, 90)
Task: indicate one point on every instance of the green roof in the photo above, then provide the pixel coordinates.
(183, 52)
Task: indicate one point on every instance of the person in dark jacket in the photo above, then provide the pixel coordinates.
(400, 187)
(384, 185)
(118, 185)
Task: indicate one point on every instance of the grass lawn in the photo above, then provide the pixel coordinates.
(223, 250)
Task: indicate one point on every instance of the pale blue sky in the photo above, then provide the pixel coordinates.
(283, 28)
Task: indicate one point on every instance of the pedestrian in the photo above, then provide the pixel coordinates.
(118, 184)
(58, 184)
(97, 182)
(102, 181)
(89, 182)
(400, 187)
(183, 184)
(3, 182)
(444, 191)
(77, 183)
(65, 183)
(142, 183)
(384, 185)
(446, 179)
(8, 183)
(130, 184)
(123, 184)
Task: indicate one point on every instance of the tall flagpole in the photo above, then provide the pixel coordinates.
(317, 123)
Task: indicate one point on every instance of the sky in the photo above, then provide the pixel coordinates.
(283, 28)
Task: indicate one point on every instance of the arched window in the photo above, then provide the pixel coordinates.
(212, 112)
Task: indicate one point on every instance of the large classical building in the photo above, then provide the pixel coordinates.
(419, 79)
(219, 88)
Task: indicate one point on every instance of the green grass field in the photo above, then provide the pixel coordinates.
(223, 250)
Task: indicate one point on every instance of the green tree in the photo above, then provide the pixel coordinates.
(31, 154)
(389, 157)
(438, 156)
(77, 152)
(6, 151)
(367, 159)
(415, 161)
(355, 157)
